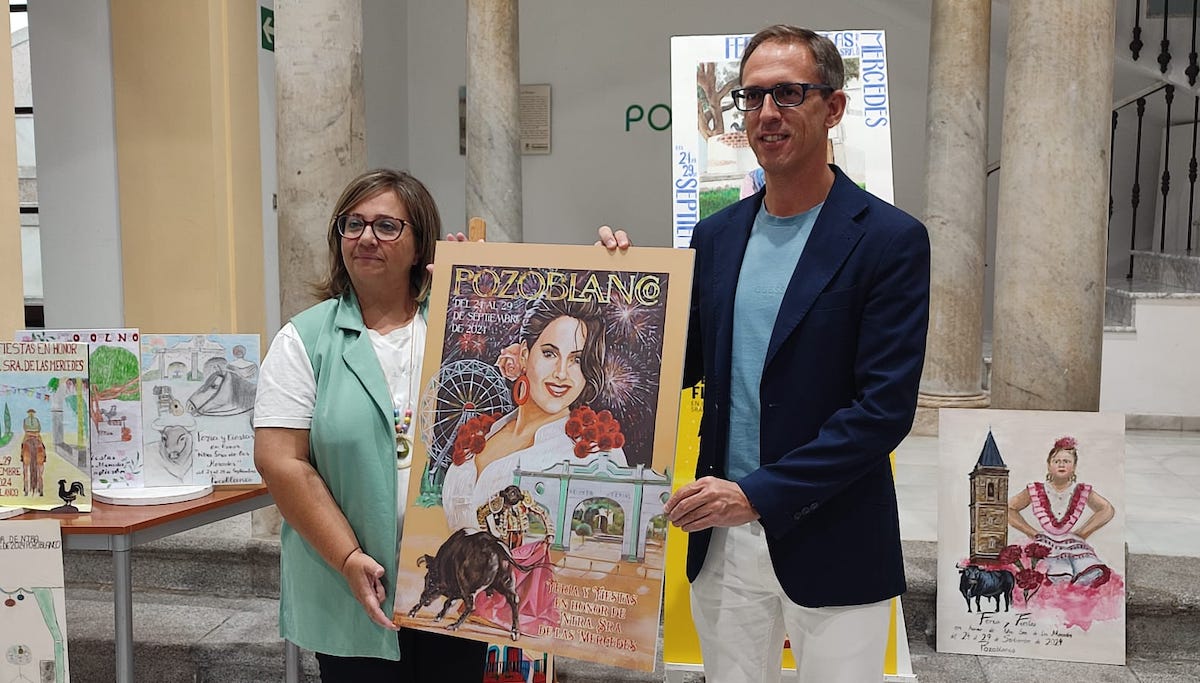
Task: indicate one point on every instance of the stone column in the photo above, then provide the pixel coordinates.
(321, 146)
(956, 208)
(319, 132)
(493, 118)
(1050, 240)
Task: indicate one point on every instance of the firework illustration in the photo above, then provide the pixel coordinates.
(634, 323)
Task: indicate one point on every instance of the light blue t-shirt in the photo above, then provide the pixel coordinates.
(772, 253)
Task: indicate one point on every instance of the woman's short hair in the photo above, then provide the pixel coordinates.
(824, 53)
(591, 362)
(422, 211)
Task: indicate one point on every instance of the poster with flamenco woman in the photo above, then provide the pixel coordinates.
(1031, 535)
(542, 448)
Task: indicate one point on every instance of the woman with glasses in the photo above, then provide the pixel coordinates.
(332, 418)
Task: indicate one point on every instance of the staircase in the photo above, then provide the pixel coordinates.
(1150, 367)
(206, 608)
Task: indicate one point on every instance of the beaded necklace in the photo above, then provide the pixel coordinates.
(403, 419)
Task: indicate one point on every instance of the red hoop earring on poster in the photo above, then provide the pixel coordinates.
(521, 390)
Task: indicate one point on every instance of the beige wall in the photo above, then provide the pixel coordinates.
(186, 100)
(12, 300)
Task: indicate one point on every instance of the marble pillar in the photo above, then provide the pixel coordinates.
(956, 207)
(321, 145)
(493, 118)
(320, 132)
(1050, 239)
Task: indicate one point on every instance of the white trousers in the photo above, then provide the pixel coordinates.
(742, 616)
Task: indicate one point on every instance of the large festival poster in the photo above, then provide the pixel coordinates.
(33, 614)
(1031, 535)
(197, 407)
(712, 164)
(115, 413)
(545, 433)
(44, 426)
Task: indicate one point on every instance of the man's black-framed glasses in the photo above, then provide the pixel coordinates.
(386, 229)
(784, 94)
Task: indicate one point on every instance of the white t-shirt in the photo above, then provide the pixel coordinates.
(287, 388)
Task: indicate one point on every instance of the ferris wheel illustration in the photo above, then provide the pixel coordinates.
(461, 390)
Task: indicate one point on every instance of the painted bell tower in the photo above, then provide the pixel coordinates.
(989, 503)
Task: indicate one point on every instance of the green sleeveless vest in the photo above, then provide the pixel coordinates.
(353, 447)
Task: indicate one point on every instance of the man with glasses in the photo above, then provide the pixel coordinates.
(808, 321)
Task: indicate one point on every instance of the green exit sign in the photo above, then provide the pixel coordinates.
(266, 28)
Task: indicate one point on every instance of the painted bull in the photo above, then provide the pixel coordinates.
(224, 392)
(976, 582)
(466, 563)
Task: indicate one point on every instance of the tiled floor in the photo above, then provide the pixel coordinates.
(1162, 478)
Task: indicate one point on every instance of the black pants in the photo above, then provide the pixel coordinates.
(424, 657)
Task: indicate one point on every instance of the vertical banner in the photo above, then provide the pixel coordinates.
(1031, 535)
(546, 429)
(33, 624)
(712, 164)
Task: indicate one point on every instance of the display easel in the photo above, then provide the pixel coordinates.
(152, 495)
(476, 229)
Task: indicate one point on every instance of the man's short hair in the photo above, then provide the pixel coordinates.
(822, 49)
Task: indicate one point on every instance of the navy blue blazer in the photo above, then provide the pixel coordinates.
(839, 390)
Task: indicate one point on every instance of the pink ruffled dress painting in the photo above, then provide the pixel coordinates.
(1065, 578)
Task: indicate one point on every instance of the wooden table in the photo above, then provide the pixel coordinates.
(118, 528)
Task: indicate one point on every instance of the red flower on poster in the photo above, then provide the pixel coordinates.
(593, 432)
(1037, 551)
(472, 437)
(1010, 555)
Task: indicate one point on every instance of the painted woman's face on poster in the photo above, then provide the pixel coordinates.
(543, 343)
(1062, 465)
(553, 366)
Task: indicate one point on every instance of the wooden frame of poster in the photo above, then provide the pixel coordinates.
(545, 435)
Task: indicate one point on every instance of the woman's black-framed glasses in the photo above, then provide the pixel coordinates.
(386, 229)
(784, 94)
